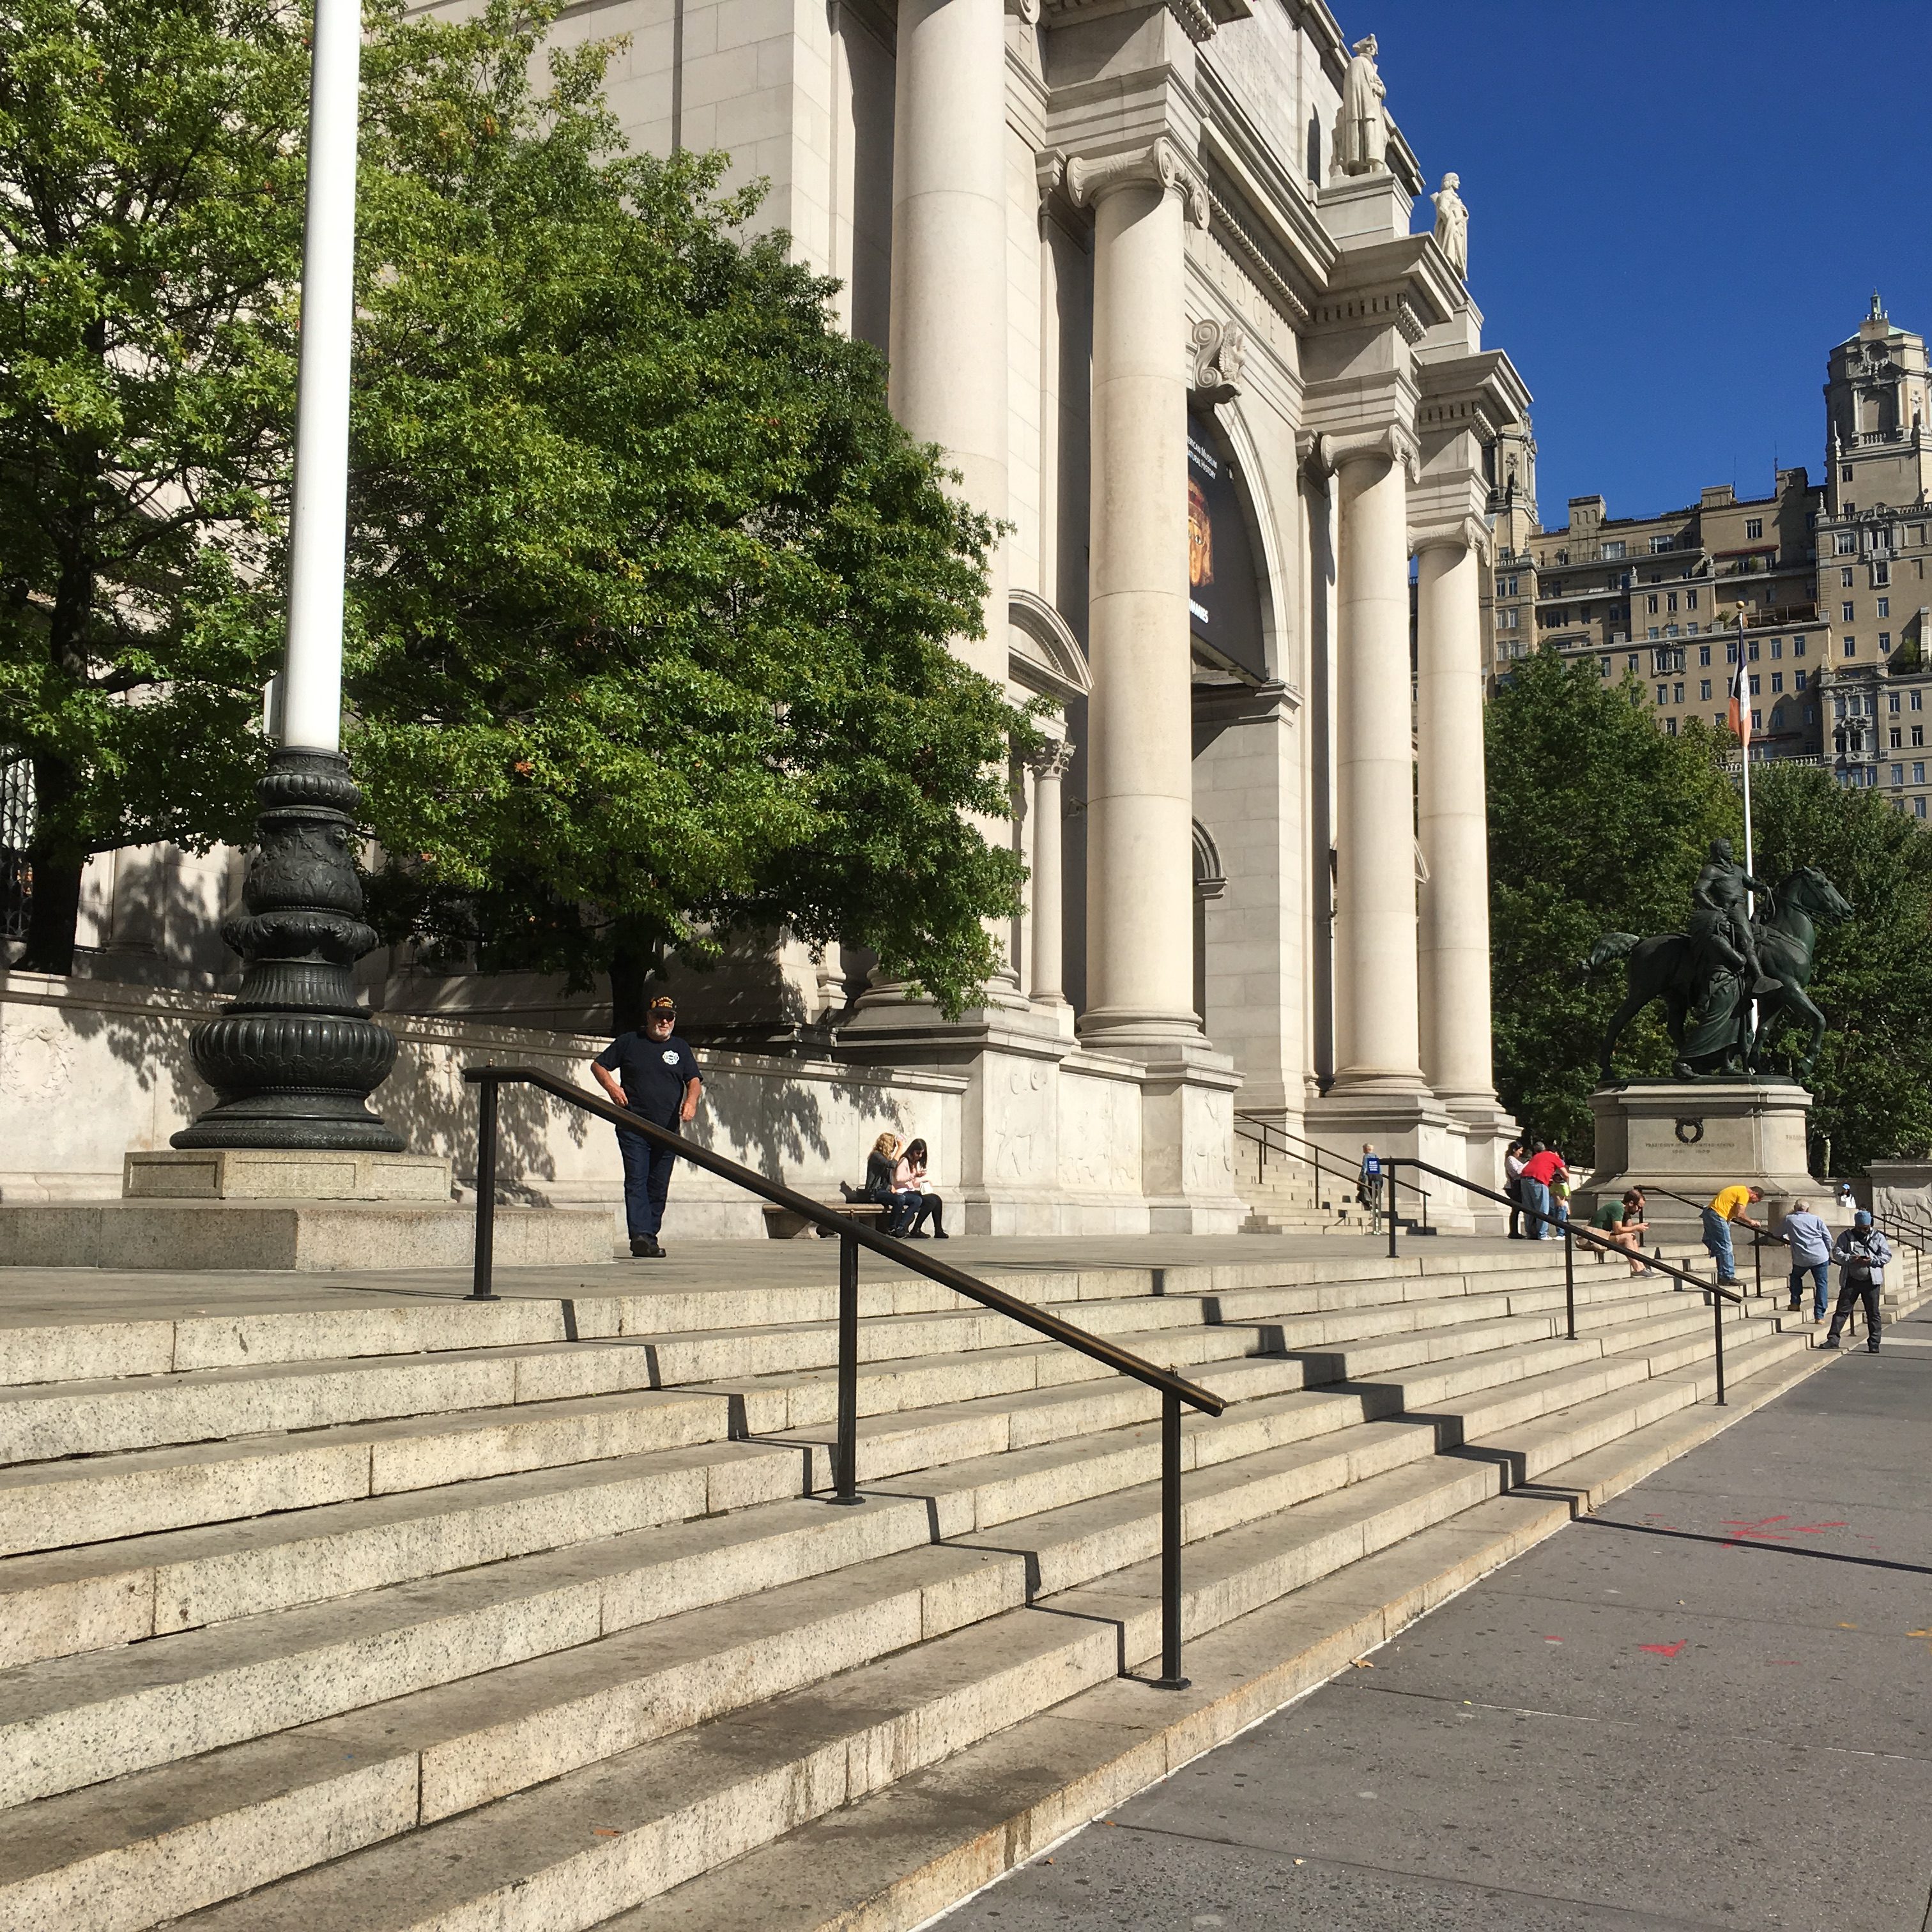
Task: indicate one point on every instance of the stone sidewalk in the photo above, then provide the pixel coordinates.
(1707, 1705)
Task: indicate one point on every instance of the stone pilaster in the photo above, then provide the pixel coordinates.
(1046, 913)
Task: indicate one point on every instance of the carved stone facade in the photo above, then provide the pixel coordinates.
(1193, 355)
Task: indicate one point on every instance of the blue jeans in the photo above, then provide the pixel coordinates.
(1717, 1239)
(646, 1183)
(1816, 1271)
(1535, 1195)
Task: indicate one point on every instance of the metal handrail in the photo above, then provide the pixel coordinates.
(1571, 1235)
(1174, 1389)
(1245, 1124)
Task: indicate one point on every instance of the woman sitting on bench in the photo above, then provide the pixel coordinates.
(916, 1206)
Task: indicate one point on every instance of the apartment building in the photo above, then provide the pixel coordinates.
(1822, 585)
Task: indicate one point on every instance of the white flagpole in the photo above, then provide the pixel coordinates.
(1745, 721)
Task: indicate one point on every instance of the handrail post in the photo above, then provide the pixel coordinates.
(1718, 1331)
(1389, 1169)
(845, 1451)
(1570, 1279)
(480, 1287)
(1757, 1261)
(1170, 1679)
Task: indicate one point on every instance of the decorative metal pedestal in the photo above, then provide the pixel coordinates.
(292, 1061)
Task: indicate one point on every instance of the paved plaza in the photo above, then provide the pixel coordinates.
(1705, 1706)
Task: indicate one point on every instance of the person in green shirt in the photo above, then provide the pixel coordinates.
(1623, 1221)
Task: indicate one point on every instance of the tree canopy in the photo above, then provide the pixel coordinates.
(1599, 822)
(649, 598)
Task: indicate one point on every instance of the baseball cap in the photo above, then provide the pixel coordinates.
(663, 1007)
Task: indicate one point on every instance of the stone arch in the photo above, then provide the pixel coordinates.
(1210, 881)
(1272, 576)
(1043, 654)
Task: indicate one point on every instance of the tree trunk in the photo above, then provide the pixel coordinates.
(53, 907)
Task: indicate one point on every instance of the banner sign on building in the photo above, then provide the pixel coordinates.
(1223, 599)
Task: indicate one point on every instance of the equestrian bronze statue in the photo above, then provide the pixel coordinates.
(1709, 976)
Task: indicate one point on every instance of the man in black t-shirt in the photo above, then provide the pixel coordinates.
(651, 1072)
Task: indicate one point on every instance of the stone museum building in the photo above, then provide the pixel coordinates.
(1829, 578)
(1155, 279)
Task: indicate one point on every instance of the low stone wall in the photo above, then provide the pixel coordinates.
(90, 1069)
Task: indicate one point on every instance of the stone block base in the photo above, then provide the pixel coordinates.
(283, 1173)
(305, 1237)
(1418, 1126)
(1695, 1136)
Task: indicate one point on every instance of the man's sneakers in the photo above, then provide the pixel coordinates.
(644, 1248)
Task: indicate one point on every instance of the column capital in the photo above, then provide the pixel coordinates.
(1159, 165)
(1052, 759)
(1325, 450)
(1463, 533)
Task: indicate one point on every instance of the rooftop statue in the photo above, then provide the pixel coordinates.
(1709, 976)
(1452, 223)
(1361, 127)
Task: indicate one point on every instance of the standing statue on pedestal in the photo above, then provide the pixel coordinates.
(1452, 224)
(1709, 977)
(1361, 127)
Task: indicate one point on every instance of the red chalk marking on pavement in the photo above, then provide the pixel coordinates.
(1552, 1640)
(1764, 1529)
(1664, 1649)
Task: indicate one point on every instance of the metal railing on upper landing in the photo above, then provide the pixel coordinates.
(1272, 1140)
(1174, 1389)
(1571, 1234)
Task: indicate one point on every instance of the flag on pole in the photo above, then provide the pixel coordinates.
(1740, 713)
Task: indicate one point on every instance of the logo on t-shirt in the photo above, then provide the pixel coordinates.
(669, 1057)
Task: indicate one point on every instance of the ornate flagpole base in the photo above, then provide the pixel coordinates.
(292, 1062)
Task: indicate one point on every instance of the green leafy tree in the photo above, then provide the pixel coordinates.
(651, 597)
(151, 193)
(1598, 823)
(1873, 975)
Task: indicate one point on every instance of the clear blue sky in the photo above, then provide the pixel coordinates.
(1674, 212)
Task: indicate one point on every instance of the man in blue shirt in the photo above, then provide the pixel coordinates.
(651, 1072)
(1810, 1242)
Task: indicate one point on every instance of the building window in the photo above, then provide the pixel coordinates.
(1847, 614)
(1881, 573)
(1891, 703)
(1690, 630)
(1689, 600)
(1751, 650)
(1757, 721)
(1798, 647)
(1663, 693)
(1918, 771)
(1918, 808)
(1884, 607)
(1717, 718)
(1844, 579)
(1703, 654)
(1845, 543)
(1670, 630)
(1754, 684)
(1884, 643)
(1730, 654)
(1704, 688)
(1650, 605)
(1898, 738)
(1670, 602)
(1658, 545)
(1603, 664)
(1918, 700)
(1798, 682)
(1847, 477)
(1670, 727)
(1777, 680)
(1851, 649)
(1898, 774)
(1754, 527)
(1653, 632)
(1918, 734)
(1630, 662)
(1677, 694)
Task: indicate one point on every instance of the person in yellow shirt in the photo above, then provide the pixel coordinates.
(1728, 1204)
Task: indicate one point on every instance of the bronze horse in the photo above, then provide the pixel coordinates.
(1709, 1022)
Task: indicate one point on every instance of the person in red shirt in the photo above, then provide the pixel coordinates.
(1543, 1166)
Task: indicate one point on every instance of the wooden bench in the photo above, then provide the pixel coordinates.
(784, 1224)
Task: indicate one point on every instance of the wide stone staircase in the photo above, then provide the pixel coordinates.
(534, 1614)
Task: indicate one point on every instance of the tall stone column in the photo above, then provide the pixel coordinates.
(1048, 890)
(1454, 948)
(1377, 1046)
(1140, 996)
(948, 342)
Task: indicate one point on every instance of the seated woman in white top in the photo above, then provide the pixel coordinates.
(909, 1188)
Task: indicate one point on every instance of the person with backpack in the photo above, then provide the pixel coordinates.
(1861, 1253)
(1368, 1185)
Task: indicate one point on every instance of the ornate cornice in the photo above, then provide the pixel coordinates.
(1198, 19)
(1463, 533)
(1384, 307)
(1238, 234)
(1159, 165)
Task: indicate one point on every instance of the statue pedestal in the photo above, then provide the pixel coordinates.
(1696, 1136)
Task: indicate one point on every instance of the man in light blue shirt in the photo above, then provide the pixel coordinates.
(1810, 1242)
